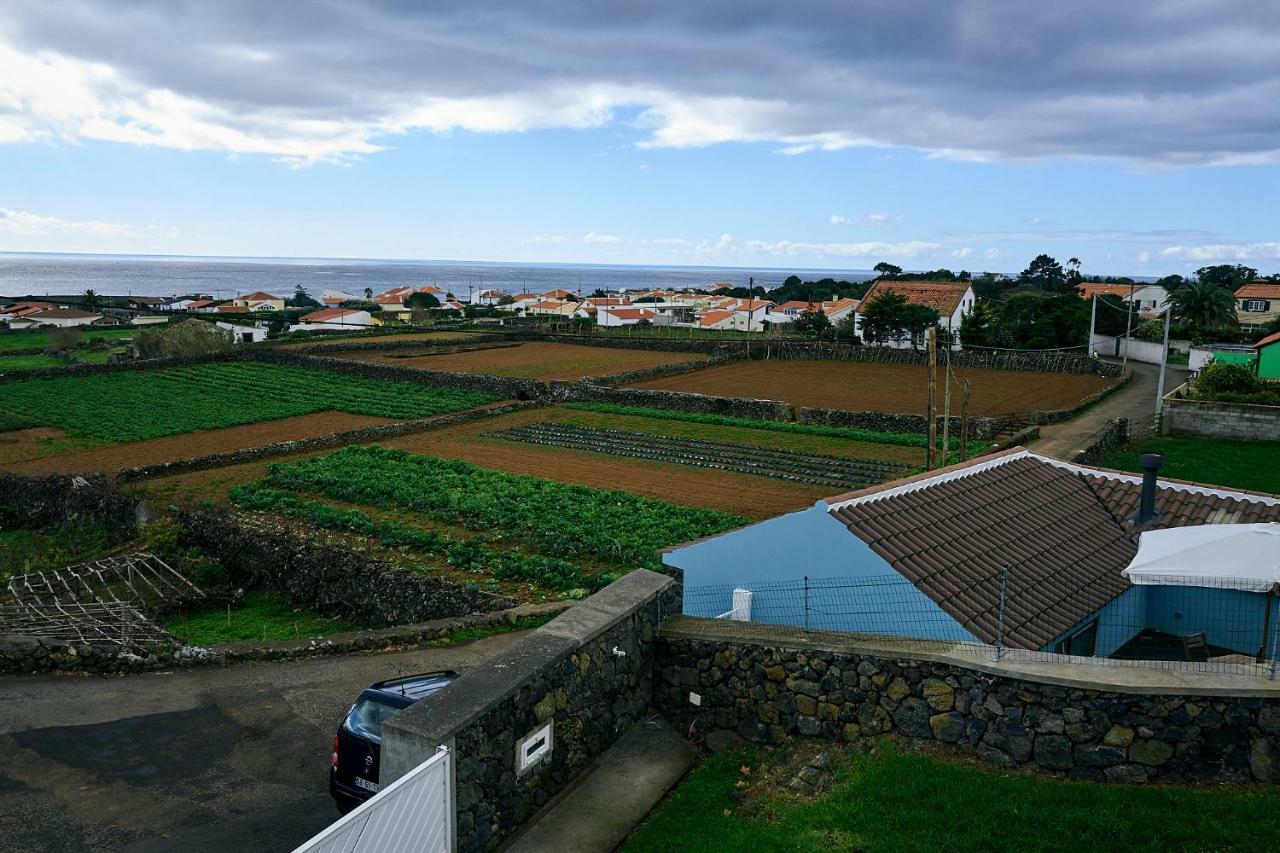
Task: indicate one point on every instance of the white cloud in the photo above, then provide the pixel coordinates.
(991, 255)
(23, 223)
(871, 218)
(1225, 252)
(546, 239)
(593, 237)
(669, 241)
(962, 253)
(1144, 256)
(870, 249)
(1034, 220)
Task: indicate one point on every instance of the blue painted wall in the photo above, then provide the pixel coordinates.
(1119, 621)
(851, 587)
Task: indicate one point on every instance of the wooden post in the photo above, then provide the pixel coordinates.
(933, 390)
(966, 386)
(946, 407)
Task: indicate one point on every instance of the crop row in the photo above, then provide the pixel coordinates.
(549, 516)
(793, 465)
(137, 405)
(900, 439)
(468, 555)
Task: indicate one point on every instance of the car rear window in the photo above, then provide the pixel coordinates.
(366, 717)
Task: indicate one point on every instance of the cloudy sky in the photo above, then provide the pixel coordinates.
(1142, 137)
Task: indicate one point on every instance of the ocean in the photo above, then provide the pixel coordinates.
(222, 278)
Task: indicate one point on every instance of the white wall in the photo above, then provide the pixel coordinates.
(1144, 351)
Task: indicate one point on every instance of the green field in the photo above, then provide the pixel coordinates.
(1253, 465)
(30, 340)
(549, 517)
(888, 800)
(262, 617)
(137, 405)
(19, 363)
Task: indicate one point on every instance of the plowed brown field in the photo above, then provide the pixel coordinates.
(533, 360)
(866, 387)
(171, 448)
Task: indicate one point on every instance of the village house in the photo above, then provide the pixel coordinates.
(487, 297)
(1099, 562)
(624, 316)
(333, 318)
(552, 308)
(334, 298)
(17, 310)
(1257, 304)
(259, 300)
(952, 300)
(1147, 299)
(1268, 360)
(61, 318)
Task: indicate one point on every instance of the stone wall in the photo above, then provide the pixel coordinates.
(1035, 362)
(326, 578)
(55, 500)
(739, 407)
(589, 673)
(979, 428)
(386, 342)
(646, 373)
(772, 690)
(321, 442)
(87, 369)
(1220, 420)
(1115, 433)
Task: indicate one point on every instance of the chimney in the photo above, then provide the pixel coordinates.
(1147, 512)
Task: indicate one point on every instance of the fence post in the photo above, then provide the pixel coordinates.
(806, 602)
(1275, 637)
(1004, 591)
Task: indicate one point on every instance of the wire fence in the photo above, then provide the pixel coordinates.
(1211, 626)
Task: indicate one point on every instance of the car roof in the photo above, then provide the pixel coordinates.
(412, 687)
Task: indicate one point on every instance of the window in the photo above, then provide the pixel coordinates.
(1082, 642)
(1258, 305)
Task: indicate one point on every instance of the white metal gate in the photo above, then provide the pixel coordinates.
(415, 812)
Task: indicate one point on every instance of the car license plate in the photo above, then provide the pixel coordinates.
(366, 784)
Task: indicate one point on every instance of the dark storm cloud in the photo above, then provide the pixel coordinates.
(1166, 82)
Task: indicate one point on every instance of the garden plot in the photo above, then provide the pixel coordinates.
(532, 360)
(840, 473)
(872, 387)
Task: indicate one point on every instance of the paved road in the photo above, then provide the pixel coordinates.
(229, 759)
(1136, 401)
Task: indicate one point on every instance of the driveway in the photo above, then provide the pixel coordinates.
(211, 759)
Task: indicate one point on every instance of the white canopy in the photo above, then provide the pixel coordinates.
(1220, 556)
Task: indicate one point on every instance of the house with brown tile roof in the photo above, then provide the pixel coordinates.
(925, 557)
(1257, 304)
(1148, 299)
(951, 299)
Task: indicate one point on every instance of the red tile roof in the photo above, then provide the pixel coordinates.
(942, 296)
(1268, 340)
(233, 309)
(257, 296)
(710, 318)
(631, 313)
(328, 315)
(1259, 290)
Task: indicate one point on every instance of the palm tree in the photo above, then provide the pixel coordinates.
(90, 300)
(1204, 306)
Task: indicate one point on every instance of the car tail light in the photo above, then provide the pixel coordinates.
(335, 751)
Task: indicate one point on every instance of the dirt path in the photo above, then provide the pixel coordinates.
(1136, 401)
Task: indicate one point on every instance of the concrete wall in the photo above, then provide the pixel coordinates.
(589, 673)
(1085, 722)
(1111, 347)
(1220, 420)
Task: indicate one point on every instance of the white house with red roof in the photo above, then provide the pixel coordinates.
(627, 315)
(951, 299)
(334, 318)
(260, 300)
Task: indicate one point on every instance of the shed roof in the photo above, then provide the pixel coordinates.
(942, 296)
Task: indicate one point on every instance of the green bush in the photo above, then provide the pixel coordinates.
(1234, 383)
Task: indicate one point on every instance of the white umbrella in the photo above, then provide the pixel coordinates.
(1219, 556)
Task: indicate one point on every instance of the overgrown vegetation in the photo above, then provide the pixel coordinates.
(467, 555)
(41, 339)
(1253, 465)
(261, 616)
(185, 339)
(1234, 383)
(23, 551)
(549, 516)
(889, 800)
(137, 405)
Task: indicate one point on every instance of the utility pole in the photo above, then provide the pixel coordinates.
(965, 387)
(946, 407)
(933, 383)
(1164, 360)
(1093, 323)
(1128, 328)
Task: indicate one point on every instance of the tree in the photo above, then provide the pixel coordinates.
(368, 293)
(883, 317)
(887, 270)
(302, 299)
(1033, 320)
(62, 339)
(422, 300)
(1229, 276)
(1073, 273)
(599, 293)
(812, 322)
(188, 338)
(917, 319)
(1044, 273)
(978, 327)
(277, 328)
(846, 330)
(90, 300)
(1203, 306)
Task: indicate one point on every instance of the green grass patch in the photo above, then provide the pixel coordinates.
(137, 405)
(17, 363)
(479, 632)
(895, 801)
(23, 551)
(261, 617)
(544, 515)
(903, 439)
(32, 339)
(1253, 465)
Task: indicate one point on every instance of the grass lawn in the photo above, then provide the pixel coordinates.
(23, 551)
(29, 340)
(13, 363)
(262, 616)
(1216, 461)
(894, 801)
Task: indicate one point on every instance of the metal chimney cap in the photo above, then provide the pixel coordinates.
(1151, 461)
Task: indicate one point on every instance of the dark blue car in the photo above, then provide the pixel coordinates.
(353, 776)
